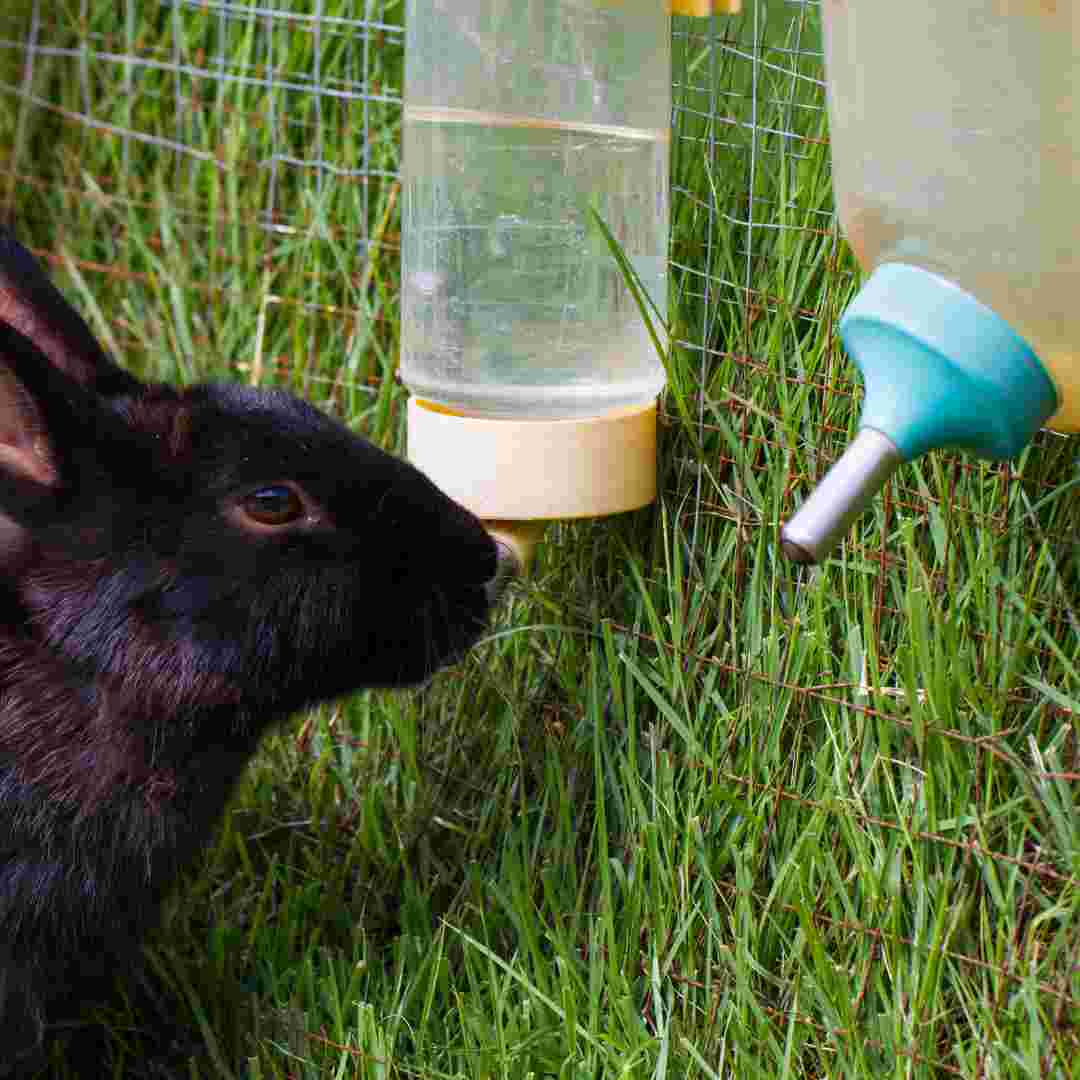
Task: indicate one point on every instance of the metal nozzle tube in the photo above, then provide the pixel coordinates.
(847, 489)
(516, 541)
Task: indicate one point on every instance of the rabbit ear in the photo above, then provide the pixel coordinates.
(29, 470)
(25, 448)
(40, 408)
(32, 305)
(51, 429)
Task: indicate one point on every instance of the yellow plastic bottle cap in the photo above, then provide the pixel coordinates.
(528, 470)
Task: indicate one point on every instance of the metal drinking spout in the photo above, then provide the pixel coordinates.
(515, 541)
(848, 488)
(940, 369)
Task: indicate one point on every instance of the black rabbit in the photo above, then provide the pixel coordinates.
(179, 568)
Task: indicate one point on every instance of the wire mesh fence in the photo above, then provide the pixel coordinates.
(177, 158)
(241, 126)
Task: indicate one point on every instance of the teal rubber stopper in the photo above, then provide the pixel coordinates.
(941, 368)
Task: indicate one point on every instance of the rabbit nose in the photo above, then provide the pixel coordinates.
(507, 567)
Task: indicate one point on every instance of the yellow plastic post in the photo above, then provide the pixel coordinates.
(706, 7)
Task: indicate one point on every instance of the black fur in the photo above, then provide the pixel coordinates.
(151, 629)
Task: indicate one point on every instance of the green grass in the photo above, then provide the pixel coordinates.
(689, 811)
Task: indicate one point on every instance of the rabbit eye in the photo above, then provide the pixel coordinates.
(274, 505)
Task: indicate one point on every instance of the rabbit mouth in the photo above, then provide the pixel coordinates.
(450, 623)
(453, 624)
(453, 628)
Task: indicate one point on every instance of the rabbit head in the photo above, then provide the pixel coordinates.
(217, 534)
(178, 568)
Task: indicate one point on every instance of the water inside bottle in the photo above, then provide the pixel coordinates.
(513, 304)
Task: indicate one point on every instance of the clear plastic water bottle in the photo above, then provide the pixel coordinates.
(533, 376)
